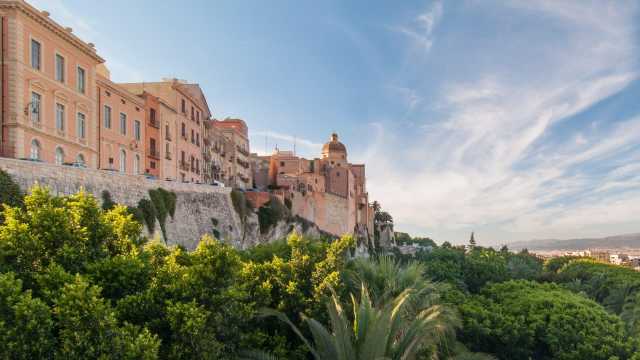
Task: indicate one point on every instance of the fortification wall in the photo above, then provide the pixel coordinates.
(331, 213)
(196, 204)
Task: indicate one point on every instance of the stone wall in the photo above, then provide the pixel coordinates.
(331, 213)
(196, 205)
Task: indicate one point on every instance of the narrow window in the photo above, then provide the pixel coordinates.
(35, 54)
(123, 124)
(184, 131)
(136, 165)
(81, 80)
(107, 117)
(136, 129)
(81, 126)
(152, 117)
(193, 138)
(152, 147)
(60, 117)
(184, 106)
(80, 159)
(59, 68)
(192, 114)
(59, 156)
(123, 161)
(35, 107)
(35, 149)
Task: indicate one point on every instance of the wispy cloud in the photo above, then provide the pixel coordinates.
(494, 159)
(420, 29)
(284, 142)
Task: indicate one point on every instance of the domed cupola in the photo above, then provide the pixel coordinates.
(334, 149)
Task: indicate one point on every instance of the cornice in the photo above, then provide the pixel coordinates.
(104, 82)
(44, 20)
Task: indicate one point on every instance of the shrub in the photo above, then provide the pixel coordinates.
(10, 193)
(287, 203)
(149, 213)
(270, 213)
(240, 203)
(107, 202)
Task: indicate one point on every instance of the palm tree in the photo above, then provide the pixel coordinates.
(375, 332)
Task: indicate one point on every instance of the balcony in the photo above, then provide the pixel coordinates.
(154, 123)
(244, 164)
(183, 165)
(167, 136)
(154, 153)
(167, 155)
(242, 151)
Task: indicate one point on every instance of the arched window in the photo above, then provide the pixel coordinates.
(35, 149)
(80, 159)
(59, 156)
(123, 161)
(136, 165)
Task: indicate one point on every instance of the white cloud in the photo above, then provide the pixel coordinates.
(420, 30)
(488, 162)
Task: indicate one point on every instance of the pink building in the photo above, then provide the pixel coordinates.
(186, 108)
(48, 79)
(122, 127)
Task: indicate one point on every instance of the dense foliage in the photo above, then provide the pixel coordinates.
(78, 281)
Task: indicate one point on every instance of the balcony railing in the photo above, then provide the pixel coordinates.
(154, 153)
(154, 123)
(167, 155)
(167, 136)
(183, 165)
(242, 151)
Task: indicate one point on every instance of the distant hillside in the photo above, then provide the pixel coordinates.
(611, 242)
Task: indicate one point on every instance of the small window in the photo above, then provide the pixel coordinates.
(184, 106)
(123, 161)
(107, 117)
(152, 164)
(152, 115)
(193, 138)
(136, 165)
(281, 163)
(36, 50)
(81, 80)
(81, 126)
(184, 131)
(59, 68)
(60, 117)
(123, 124)
(36, 100)
(59, 156)
(80, 159)
(36, 150)
(338, 174)
(136, 130)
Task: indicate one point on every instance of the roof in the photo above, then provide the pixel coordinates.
(334, 145)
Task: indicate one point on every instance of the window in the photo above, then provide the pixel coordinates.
(184, 106)
(35, 150)
(81, 126)
(123, 124)
(152, 164)
(197, 165)
(152, 146)
(111, 163)
(193, 117)
(182, 156)
(107, 117)
(198, 139)
(166, 132)
(136, 129)
(136, 165)
(36, 50)
(184, 131)
(193, 138)
(166, 148)
(60, 117)
(59, 156)
(198, 116)
(281, 163)
(152, 116)
(81, 80)
(35, 107)
(59, 68)
(123, 161)
(80, 159)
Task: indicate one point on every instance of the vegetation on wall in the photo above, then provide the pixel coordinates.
(271, 213)
(240, 204)
(10, 193)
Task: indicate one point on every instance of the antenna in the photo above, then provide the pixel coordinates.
(295, 140)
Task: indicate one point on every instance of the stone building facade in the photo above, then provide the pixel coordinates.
(237, 167)
(48, 107)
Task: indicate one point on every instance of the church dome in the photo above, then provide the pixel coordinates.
(333, 146)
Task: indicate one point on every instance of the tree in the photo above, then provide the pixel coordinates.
(472, 241)
(374, 333)
(26, 327)
(527, 320)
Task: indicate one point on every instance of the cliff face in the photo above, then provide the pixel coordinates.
(200, 209)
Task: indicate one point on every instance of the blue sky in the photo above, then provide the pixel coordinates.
(513, 119)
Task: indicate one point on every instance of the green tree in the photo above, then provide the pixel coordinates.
(527, 320)
(26, 327)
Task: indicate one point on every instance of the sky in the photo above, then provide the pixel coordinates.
(517, 120)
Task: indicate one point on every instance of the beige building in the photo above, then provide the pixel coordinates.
(328, 191)
(191, 110)
(214, 154)
(237, 167)
(48, 102)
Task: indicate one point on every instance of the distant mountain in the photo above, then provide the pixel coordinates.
(610, 242)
